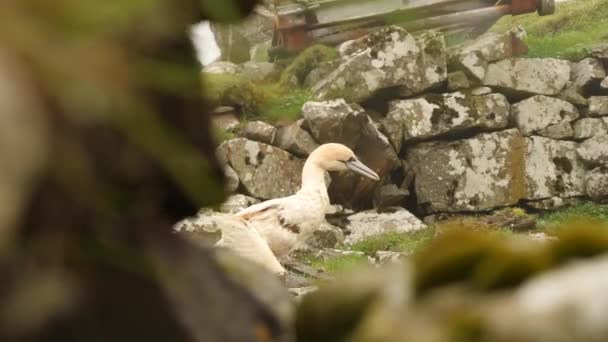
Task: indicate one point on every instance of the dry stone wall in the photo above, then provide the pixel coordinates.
(468, 128)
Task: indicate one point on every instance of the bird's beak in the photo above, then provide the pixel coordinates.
(361, 169)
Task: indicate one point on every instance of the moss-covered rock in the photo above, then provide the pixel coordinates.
(295, 73)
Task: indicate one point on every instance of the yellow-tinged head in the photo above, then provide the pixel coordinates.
(337, 157)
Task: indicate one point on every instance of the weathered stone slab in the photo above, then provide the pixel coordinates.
(264, 171)
(390, 57)
(480, 173)
(543, 76)
(368, 223)
(589, 127)
(594, 151)
(539, 112)
(434, 115)
(473, 57)
(553, 168)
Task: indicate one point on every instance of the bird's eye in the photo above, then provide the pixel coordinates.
(352, 159)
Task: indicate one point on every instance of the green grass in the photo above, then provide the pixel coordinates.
(336, 264)
(576, 26)
(274, 100)
(396, 242)
(552, 222)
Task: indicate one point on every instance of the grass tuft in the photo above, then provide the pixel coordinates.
(574, 28)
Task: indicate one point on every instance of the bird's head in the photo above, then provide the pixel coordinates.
(337, 157)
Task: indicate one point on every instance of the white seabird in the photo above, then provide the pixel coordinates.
(271, 229)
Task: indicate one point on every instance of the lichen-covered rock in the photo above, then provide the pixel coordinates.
(562, 130)
(539, 112)
(594, 151)
(458, 80)
(598, 105)
(326, 236)
(596, 183)
(543, 76)
(589, 127)
(553, 168)
(293, 138)
(389, 57)
(435, 115)
(368, 223)
(480, 173)
(474, 56)
(259, 131)
(337, 121)
(587, 73)
(254, 162)
(236, 203)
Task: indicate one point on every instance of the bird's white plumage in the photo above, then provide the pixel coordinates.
(275, 227)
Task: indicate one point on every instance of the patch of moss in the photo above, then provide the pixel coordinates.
(304, 63)
(509, 264)
(263, 101)
(397, 242)
(238, 92)
(580, 239)
(452, 256)
(288, 107)
(332, 313)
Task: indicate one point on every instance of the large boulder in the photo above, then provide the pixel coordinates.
(596, 183)
(543, 76)
(553, 168)
(336, 121)
(474, 56)
(264, 171)
(365, 224)
(390, 57)
(594, 151)
(541, 112)
(480, 173)
(435, 115)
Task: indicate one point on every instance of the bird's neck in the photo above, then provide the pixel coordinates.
(313, 177)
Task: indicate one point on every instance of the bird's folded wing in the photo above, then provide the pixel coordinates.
(282, 212)
(245, 241)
